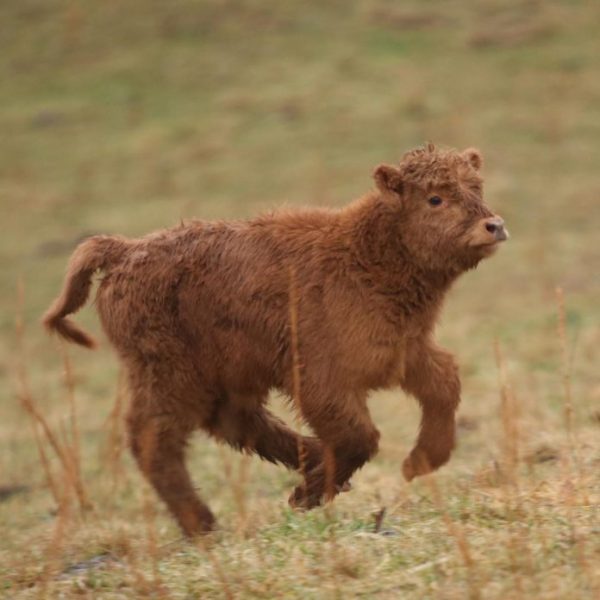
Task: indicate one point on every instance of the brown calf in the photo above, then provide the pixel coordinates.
(199, 315)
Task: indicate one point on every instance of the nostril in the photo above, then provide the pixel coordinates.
(491, 227)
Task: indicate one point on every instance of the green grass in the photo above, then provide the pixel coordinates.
(126, 117)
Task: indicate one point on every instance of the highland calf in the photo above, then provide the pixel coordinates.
(200, 317)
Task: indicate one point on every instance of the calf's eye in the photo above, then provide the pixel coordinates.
(435, 200)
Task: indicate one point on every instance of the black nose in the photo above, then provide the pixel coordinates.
(495, 225)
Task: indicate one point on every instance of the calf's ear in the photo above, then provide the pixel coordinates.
(473, 157)
(388, 179)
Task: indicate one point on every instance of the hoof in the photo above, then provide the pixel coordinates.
(415, 465)
(301, 501)
(195, 523)
(345, 487)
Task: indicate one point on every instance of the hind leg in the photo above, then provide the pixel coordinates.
(158, 444)
(253, 428)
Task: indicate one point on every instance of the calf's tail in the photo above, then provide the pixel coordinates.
(95, 253)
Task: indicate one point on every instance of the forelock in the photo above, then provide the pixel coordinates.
(428, 167)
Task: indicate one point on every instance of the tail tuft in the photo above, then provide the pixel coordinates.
(68, 330)
(93, 254)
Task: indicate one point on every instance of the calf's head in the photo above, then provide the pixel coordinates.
(436, 198)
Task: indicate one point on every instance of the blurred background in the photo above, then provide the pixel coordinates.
(127, 116)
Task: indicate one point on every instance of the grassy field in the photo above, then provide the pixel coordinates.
(129, 116)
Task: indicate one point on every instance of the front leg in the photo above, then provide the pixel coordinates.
(432, 377)
(342, 422)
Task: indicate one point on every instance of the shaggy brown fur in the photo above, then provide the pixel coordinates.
(199, 315)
